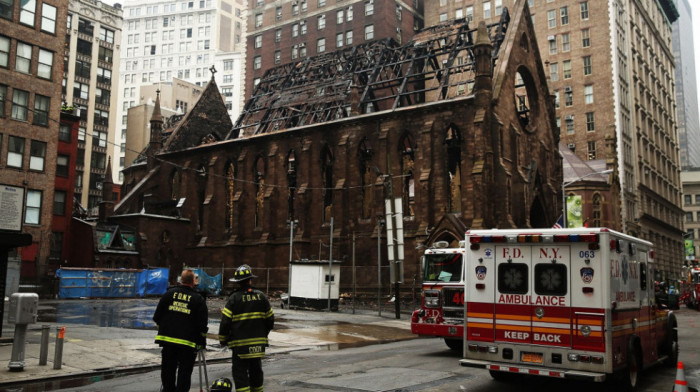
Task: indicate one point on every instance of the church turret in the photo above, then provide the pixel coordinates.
(156, 142)
(106, 208)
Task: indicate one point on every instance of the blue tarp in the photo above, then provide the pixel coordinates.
(77, 283)
(207, 283)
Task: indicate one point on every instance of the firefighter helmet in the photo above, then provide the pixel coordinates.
(242, 273)
(221, 385)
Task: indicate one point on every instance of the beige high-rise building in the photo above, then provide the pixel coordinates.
(90, 84)
(176, 98)
(611, 70)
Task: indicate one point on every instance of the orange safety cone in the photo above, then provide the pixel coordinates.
(681, 384)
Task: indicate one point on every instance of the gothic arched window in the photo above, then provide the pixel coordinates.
(230, 193)
(367, 177)
(201, 181)
(175, 181)
(408, 178)
(259, 176)
(454, 169)
(327, 177)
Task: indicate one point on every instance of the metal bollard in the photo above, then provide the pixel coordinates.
(44, 348)
(58, 354)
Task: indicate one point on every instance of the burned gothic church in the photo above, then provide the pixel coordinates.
(459, 124)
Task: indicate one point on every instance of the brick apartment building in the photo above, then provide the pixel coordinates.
(460, 122)
(32, 37)
(610, 65)
(280, 32)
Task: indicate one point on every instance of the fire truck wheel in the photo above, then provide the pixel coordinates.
(671, 344)
(454, 344)
(629, 377)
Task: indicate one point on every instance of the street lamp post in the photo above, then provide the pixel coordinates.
(563, 191)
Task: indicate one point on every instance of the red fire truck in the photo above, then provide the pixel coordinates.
(567, 303)
(692, 294)
(442, 303)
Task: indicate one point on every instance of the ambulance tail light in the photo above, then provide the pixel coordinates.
(431, 298)
(585, 358)
(472, 347)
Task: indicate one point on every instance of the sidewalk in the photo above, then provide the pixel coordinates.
(92, 350)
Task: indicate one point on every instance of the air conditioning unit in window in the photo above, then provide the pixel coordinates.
(569, 117)
(572, 146)
(567, 89)
(551, 38)
(303, 22)
(302, 45)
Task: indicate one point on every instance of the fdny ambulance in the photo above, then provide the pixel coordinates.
(566, 303)
(442, 297)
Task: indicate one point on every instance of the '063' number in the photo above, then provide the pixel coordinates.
(586, 254)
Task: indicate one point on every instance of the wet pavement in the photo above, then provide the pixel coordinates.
(109, 338)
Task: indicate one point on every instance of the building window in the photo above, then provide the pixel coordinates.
(321, 22)
(295, 30)
(15, 151)
(564, 14)
(470, 13)
(27, 11)
(568, 97)
(553, 45)
(48, 18)
(591, 151)
(295, 8)
(59, 202)
(303, 6)
(552, 18)
(20, 102)
(32, 211)
(4, 51)
(278, 57)
(257, 62)
(588, 93)
(41, 110)
(64, 133)
(107, 35)
(258, 41)
(105, 54)
(487, 10)
(37, 155)
(566, 69)
(565, 42)
(302, 26)
(584, 10)
(348, 14)
(258, 20)
(586, 38)
(339, 40)
(62, 165)
(556, 99)
(587, 67)
(295, 52)
(688, 216)
(321, 45)
(369, 7)
(369, 32)
(570, 129)
(554, 71)
(81, 90)
(459, 13)
(499, 7)
(443, 17)
(23, 60)
(348, 37)
(45, 64)
(278, 13)
(590, 121)
(7, 9)
(339, 16)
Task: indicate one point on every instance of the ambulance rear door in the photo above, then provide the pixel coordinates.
(532, 293)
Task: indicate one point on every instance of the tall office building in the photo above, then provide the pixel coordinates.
(280, 32)
(90, 81)
(32, 36)
(611, 69)
(686, 87)
(166, 39)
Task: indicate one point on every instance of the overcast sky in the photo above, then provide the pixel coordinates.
(694, 4)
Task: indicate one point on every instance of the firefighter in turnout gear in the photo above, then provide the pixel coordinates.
(246, 321)
(181, 316)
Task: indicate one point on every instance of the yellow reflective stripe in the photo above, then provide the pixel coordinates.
(248, 342)
(175, 340)
(244, 389)
(251, 316)
(247, 356)
(256, 389)
(226, 312)
(222, 337)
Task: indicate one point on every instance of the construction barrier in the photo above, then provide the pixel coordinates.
(111, 283)
(211, 285)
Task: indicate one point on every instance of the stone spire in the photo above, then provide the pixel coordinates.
(106, 208)
(156, 142)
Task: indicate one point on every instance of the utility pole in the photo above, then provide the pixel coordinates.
(330, 268)
(291, 224)
(380, 223)
(394, 230)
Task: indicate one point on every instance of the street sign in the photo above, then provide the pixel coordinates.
(394, 235)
